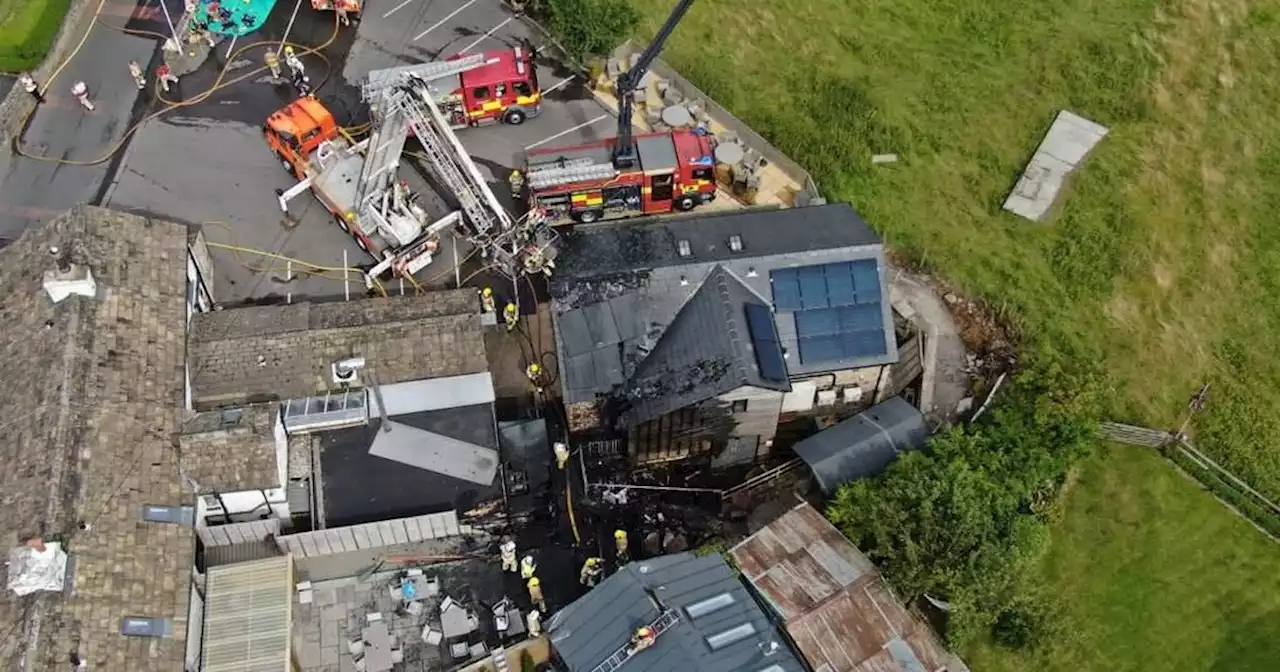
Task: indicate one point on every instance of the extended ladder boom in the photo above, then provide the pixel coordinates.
(449, 161)
(661, 624)
(383, 80)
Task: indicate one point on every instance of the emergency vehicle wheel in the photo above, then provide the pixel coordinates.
(685, 203)
(587, 216)
(342, 223)
(513, 117)
(288, 167)
(362, 245)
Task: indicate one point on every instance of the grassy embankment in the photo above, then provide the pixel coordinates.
(1161, 263)
(27, 29)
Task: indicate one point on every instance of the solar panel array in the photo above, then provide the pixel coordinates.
(764, 340)
(837, 309)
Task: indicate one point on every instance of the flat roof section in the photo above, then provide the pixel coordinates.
(360, 488)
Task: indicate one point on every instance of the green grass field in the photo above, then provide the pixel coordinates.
(1161, 262)
(1153, 575)
(27, 29)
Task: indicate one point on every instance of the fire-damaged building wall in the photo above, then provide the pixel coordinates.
(736, 427)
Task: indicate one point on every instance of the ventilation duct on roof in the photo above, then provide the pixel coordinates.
(66, 279)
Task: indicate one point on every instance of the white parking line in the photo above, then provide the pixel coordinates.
(397, 8)
(559, 84)
(439, 23)
(484, 37)
(567, 131)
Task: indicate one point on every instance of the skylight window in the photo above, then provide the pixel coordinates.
(735, 243)
(176, 515)
(731, 636)
(142, 626)
(709, 605)
(683, 248)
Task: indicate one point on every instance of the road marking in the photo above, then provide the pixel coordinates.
(567, 131)
(397, 8)
(484, 37)
(439, 23)
(559, 84)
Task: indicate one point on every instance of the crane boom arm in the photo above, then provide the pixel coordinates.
(623, 151)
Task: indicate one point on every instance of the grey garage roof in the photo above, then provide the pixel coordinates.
(710, 599)
(865, 444)
(621, 286)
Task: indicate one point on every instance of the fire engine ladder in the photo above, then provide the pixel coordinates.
(660, 625)
(569, 171)
(451, 164)
(380, 81)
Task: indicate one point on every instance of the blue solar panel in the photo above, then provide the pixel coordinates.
(840, 286)
(824, 322)
(764, 340)
(813, 287)
(786, 290)
(838, 310)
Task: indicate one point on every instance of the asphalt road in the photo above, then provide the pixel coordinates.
(33, 191)
(206, 164)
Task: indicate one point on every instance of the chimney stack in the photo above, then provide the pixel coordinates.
(60, 259)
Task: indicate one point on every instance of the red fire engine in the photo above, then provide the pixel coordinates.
(673, 170)
(649, 173)
(487, 88)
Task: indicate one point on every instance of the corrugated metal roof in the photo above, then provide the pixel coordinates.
(836, 607)
(865, 444)
(249, 617)
(592, 628)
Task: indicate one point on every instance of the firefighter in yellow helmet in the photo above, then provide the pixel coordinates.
(643, 638)
(535, 594)
(487, 301)
(295, 64)
(534, 373)
(592, 570)
(511, 315)
(507, 550)
(528, 566)
(623, 548)
(516, 182)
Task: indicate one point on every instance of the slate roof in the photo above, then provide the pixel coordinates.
(589, 631)
(865, 444)
(231, 450)
(268, 353)
(706, 351)
(838, 610)
(619, 287)
(90, 429)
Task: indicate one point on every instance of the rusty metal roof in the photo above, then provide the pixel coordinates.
(838, 610)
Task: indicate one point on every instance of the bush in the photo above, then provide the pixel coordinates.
(966, 520)
(586, 28)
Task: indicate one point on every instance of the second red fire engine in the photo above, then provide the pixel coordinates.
(674, 170)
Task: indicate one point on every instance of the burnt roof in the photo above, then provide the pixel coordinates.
(592, 628)
(619, 288)
(706, 351)
(90, 435)
(838, 610)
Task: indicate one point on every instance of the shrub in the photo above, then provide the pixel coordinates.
(586, 28)
(965, 520)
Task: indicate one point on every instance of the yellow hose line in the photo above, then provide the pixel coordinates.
(218, 84)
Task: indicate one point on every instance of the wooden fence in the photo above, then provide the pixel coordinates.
(1153, 438)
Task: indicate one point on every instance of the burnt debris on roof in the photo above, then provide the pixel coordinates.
(625, 289)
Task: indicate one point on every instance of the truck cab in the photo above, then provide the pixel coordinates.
(297, 130)
(504, 89)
